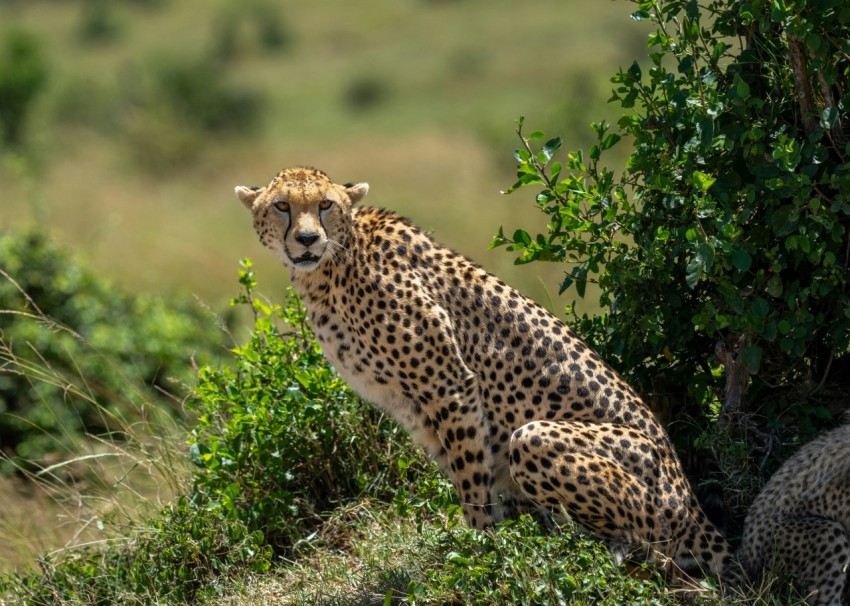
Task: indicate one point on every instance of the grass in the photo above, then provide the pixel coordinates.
(370, 554)
(83, 489)
(98, 495)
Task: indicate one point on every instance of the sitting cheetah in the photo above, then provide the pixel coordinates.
(518, 411)
(800, 522)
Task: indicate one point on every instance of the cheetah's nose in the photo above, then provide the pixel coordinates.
(307, 238)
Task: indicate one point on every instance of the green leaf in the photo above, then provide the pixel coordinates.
(521, 237)
(634, 71)
(741, 259)
(760, 306)
(457, 559)
(828, 117)
(706, 131)
(555, 169)
(705, 254)
(742, 89)
(609, 141)
(702, 180)
(550, 147)
(784, 220)
(821, 412)
(693, 272)
(774, 286)
(701, 262)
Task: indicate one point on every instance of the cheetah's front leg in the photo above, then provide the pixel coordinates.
(466, 455)
(459, 441)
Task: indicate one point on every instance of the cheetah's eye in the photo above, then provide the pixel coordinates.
(282, 206)
(325, 204)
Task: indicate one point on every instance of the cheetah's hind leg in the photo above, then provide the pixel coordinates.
(585, 470)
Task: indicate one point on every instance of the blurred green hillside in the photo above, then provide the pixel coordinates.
(152, 110)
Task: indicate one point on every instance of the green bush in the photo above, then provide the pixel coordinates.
(182, 554)
(78, 356)
(23, 76)
(721, 251)
(364, 93)
(280, 438)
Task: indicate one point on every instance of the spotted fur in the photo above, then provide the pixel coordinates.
(800, 522)
(518, 411)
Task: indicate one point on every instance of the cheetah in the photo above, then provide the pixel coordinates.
(520, 413)
(800, 521)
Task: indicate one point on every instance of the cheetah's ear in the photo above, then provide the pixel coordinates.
(356, 191)
(247, 195)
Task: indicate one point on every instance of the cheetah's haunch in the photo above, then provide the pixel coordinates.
(516, 409)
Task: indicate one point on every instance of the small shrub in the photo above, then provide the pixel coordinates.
(196, 92)
(157, 145)
(84, 100)
(273, 34)
(365, 93)
(23, 76)
(280, 438)
(257, 25)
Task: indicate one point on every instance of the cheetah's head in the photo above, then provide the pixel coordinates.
(302, 215)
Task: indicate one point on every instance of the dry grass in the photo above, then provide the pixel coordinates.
(97, 496)
(93, 489)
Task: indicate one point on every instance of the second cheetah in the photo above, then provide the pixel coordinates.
(800, 522)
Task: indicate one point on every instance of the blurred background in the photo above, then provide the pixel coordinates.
(126, 123)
